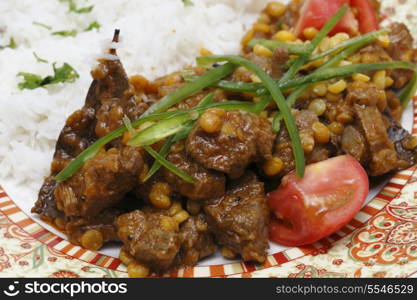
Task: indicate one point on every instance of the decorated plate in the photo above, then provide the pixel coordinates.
(381, 241)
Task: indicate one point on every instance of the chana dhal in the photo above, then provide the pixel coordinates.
(275, 144)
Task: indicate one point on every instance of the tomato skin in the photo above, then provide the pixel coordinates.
(316, 13)
(328, 197)
(368, 21)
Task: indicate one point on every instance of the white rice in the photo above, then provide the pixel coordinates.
(157, 37)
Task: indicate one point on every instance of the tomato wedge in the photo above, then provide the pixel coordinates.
(316, 13)
(368, 21)
(328, 196)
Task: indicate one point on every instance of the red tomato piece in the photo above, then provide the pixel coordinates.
(366, 15)
(328, 197)
(316, 13)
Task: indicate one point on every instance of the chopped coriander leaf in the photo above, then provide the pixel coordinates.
(187, 2)
(31, 81)
(65, 33)
(83, 10)
(42, 25)
(12, 45)
(93, 25)
(72, 7)
(38, 59)
(66, 73)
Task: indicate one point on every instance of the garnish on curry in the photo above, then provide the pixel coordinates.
(279, 139)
